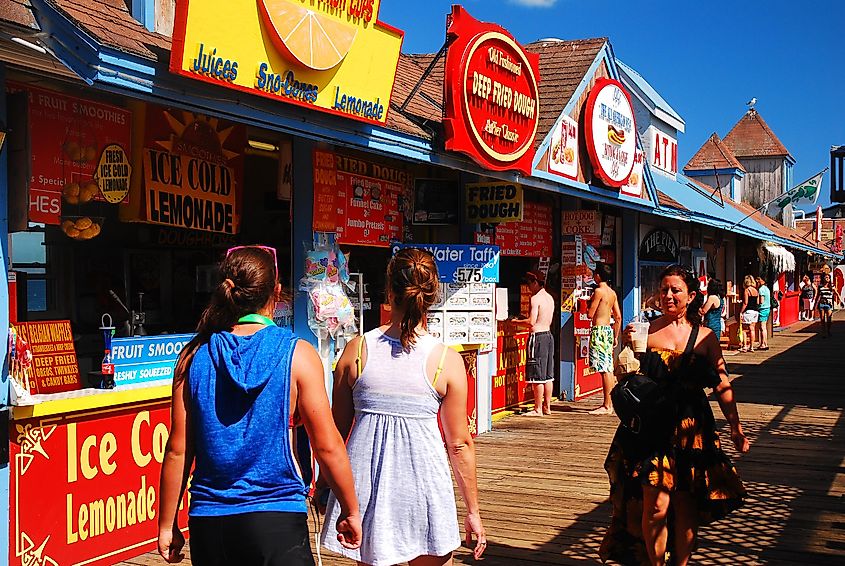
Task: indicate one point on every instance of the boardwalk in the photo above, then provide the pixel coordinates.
(544, 492)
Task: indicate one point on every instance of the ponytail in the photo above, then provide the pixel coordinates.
(414, 286)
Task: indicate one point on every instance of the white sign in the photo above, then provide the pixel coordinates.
(634, 186)
(563, 152)
(611, 132)
(581, 222)
(664, 152)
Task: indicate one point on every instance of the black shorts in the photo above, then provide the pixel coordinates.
(251, 539)
(540, 366)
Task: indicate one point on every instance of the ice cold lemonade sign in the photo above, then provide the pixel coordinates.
(611, 132)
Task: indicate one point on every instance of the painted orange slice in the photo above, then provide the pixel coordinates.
(314, 39)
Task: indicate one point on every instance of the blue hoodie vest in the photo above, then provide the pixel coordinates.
(240, 407)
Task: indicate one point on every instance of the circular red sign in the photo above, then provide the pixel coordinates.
(501, 101)
(611, 132)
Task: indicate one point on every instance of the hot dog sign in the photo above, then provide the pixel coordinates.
(611, 132)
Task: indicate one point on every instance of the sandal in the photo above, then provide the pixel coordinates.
(742, 350)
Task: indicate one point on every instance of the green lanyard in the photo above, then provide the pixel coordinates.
(256, 319)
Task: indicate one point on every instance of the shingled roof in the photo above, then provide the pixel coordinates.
(752, 137)
(563, 64)
(18, 13)
(110, 23)
(714, 154)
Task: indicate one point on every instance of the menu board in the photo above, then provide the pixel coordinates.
(53, 367)
(532, 237)
(69, 139)
(465, 315)
(361, 210)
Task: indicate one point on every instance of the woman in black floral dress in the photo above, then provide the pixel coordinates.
(673, 476)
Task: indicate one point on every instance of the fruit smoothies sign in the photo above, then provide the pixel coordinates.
(357, 200)
(193, 170)
(610, 132)
(84, 488)
(330, 55)
(53, 367)
(492, 102)
(69, 136)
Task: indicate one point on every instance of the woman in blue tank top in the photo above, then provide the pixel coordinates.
(711, 310)
(235, 388)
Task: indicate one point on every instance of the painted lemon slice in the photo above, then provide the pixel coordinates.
(314, 39)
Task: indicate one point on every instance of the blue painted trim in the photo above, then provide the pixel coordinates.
(302, 234)
(4, 320)
(630, 266)
(567, 356)
(144, 12)
(709, 173)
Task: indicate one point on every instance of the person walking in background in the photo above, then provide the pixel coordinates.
(604, 307)
(764, 309)
(539, 366)
(826, 297)
(711, 310)
(392, 383)
(673, 476)
(236, 385)
(808, 297)
(748, 314)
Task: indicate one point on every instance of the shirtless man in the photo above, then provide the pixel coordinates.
(540, 369)
(603, 337)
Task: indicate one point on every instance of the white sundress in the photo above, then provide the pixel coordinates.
(398, 458)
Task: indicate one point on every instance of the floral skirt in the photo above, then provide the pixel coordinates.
(690, 461)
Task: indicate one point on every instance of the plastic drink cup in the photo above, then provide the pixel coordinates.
(639, 337)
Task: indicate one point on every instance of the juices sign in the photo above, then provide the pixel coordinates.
(491, 94)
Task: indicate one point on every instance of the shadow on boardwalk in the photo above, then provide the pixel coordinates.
(544, 490)
(791, 403)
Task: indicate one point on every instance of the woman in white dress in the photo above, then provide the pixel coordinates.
(392, 383)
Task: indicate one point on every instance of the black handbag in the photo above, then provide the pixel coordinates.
(640, 400)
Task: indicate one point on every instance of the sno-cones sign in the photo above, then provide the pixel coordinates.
(330, 55)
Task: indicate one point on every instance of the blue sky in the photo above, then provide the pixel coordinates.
(707, 58)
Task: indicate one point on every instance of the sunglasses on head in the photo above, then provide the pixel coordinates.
(268, 249)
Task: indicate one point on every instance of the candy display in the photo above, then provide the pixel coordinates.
(329, 310)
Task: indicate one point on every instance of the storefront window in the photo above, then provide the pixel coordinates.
(29, 257)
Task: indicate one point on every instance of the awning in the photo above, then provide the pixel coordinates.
(781, 259)
(707, 209)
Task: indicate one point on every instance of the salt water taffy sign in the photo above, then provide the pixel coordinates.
(457, 263)
(330, 55)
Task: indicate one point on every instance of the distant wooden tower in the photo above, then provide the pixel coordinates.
(766, 164)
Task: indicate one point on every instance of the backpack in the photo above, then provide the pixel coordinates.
(641, 401)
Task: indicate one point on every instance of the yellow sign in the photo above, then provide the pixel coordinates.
(330, 55)
(493, 203)
(113, 174)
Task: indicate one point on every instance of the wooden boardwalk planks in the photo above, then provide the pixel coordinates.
(544, 491)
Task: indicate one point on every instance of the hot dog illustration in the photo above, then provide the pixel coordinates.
(615, 135)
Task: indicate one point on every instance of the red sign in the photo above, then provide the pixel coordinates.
(492, 101)
(362, 210)
(532, 237)
(69, 136)
(470, 358)
(611, 132)
(84, 489)
(54, 367)
(587, 381)
(508, 387)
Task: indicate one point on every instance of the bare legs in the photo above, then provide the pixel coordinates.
(655, 532)
(750, 338)
(607, 383)
(542, 399)
(826, 320)
(764, 331)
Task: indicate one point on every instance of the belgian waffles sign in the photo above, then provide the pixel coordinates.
(611, 132)
(492, 97)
